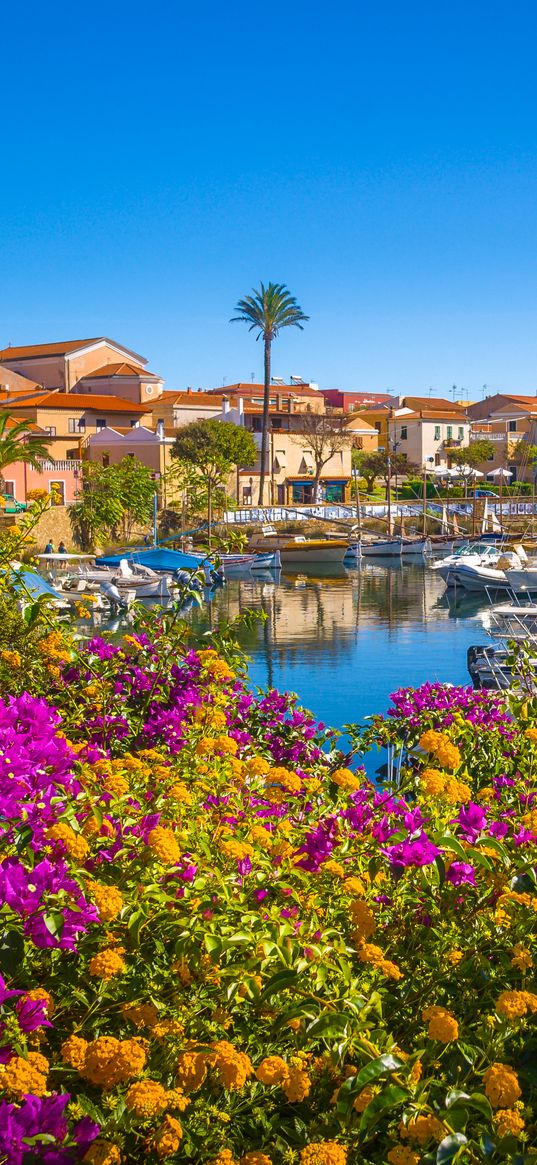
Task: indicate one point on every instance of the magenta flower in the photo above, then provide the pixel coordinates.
(459, 873)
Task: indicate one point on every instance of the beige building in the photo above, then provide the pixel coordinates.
(68, 418)
(63, 366)
(506, 420)
(424, 429)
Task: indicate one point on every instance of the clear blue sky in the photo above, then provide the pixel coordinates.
(380, 158)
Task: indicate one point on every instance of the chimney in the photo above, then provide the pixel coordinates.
(160, 430)
(225, 405)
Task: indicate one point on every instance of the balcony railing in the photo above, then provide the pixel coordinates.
(61, 466)
(496, 436)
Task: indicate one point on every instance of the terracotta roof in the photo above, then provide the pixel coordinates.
(30, 351)
(73, 400)
(117, 370)
(244, 389)
(192, 398)
(432, 415)
(32, 428)
(431, 402)
(58, 349)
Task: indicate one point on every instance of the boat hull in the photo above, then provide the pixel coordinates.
(306, 552)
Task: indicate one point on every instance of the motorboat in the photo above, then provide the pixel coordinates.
(89, 575)
(471, 554)
(483, 577)
(511, 620)
(297, 548)
(235, 564)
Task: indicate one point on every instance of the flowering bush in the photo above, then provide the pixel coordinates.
(220, 943)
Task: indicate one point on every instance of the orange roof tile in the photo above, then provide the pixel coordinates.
(29, 350)
(122, 369)
(244, 389)
(73, 400)
(194, 398)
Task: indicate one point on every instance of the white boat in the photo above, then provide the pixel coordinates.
(296, 548)
(511, 620)
(471, 554)
(396, 548)
(235, 564)
(483, 577)
(88, 576)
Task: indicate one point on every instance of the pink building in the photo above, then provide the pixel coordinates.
(336, 398)
(61, 476)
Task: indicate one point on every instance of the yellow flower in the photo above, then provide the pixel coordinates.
(191, 1071)
(73, 1052)
(297, 1085)
(439, 744)
(236, 849)
(365, 1097)
(272, 1070)
(146, 1099)
(423, 1128)
(433, 781)
(11, 657)
(19, 1077)
(354, 887)
(346, 780)
(76, 846)
(261, 837)
(108, 900)
(323, 1153)
(402, 1155)
(168, 1138)
(109, 1061)
(106, 964)
(102, 1153)
(512, 1004)
(531, 734)
(442, 1024)
(164, 845)
(257, 766)
(334, 868)
(233, 1068)
(39, 1062)
(454, 957)
(363, 920)
(255, 1158)
(281, 778)
(179, 792)
(522, 959)
(508, 1122)
(501, 1085)
(140, 1014)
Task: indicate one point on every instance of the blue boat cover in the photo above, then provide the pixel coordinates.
(156, 558)
(34, 584)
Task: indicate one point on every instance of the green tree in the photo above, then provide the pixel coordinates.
(114, 499)
(266, 311)
(212, 449)
(374, 463)
(18, 444)
(473, 454)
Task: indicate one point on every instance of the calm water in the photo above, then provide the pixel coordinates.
(344, 640)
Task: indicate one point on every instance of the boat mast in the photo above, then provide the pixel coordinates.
(425, 501)
(389, 478)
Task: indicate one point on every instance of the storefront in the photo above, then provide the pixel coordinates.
(301, 490)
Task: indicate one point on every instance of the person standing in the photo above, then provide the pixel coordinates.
(62, 549)
(49, 548)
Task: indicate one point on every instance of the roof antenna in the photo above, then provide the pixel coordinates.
(252, 377)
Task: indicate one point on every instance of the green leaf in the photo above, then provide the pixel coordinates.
(11, 951)
(277, 983)
(453, 845)
(54, 922)
(390, 1097)
(371, 1071)
(332, 1024)
(448, 1149)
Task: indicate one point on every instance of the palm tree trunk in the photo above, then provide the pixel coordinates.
(264, 431)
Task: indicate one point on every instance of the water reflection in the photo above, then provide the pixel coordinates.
(344, 639)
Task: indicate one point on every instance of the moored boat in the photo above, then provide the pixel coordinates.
(298, 548)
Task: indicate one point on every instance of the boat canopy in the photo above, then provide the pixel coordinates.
(157, 558)
(28, 582)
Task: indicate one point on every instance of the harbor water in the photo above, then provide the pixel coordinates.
(344, 639)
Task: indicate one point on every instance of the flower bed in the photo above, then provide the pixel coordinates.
(220, 943)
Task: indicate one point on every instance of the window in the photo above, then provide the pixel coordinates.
(404, 432)
(512, 426)
(100, 424)
(9, 489)
(133, 424)
(257, 424)
(461, 432)
(75, 425)
(377, 426)
(449, 432)
(72, 454)
(437, 432)
(51, 430)
(105, 460)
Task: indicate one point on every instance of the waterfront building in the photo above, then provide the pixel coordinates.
(506, 419)
(424, 429)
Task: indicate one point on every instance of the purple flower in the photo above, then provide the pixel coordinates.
(472, 820)
(459, 873)
(32, 1014)
(419, 852)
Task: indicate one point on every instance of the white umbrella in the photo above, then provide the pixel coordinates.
(467, 471)
(500, 473)
(439, 471)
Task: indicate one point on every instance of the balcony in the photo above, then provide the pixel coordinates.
(61, 466)
(496, 437)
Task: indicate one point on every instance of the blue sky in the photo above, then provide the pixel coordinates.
(380, 158)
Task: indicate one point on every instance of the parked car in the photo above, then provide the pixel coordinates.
(486, 493)
(10, 505)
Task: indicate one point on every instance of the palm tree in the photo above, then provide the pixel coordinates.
(267, 311)
(15, 446)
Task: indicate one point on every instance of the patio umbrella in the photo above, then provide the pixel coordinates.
(500, 473)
